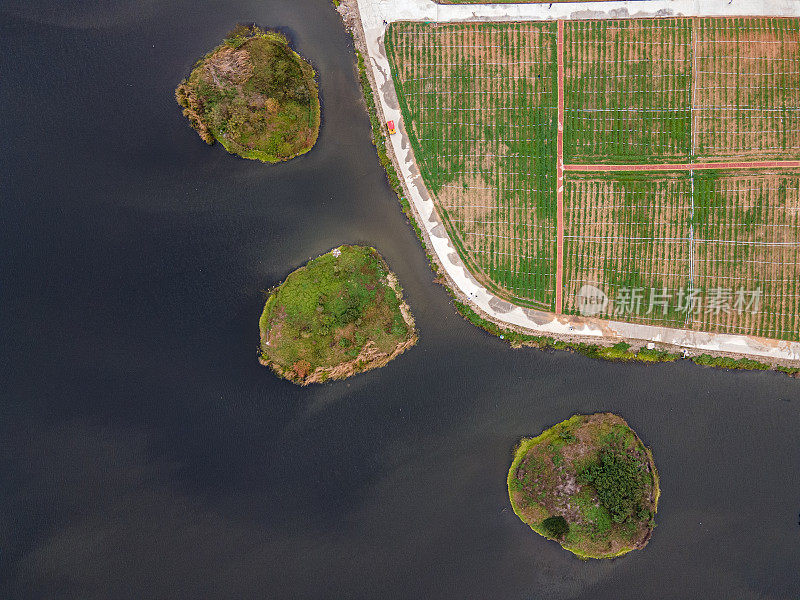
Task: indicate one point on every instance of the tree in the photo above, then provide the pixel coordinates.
(556, 526)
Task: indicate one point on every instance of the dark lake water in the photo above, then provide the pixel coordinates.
(146, 454)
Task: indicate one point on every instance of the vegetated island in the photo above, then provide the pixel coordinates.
(588, 483)
(340, 314)
(255, 95)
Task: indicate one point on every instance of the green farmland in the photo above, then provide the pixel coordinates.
(481, 101)
(628, 230)
(747, 88)
(480, 105)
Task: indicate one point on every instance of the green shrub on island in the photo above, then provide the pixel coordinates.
(557, 527)
(588, 483)
(341, 314)
(254, 95)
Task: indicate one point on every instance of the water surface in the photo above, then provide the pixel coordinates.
(146, 453)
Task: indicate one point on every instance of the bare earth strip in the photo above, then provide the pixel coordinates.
(560, 175)
(770, 164)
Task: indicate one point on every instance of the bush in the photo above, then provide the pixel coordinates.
(557, 527)
(619, 483)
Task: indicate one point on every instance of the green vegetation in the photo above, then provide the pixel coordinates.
(640, 241)
(341, 314)
(628, 243)
(618, 481)
(757, 209)
(557, 527)
(589, 483)
(254, 95)
(761, 70)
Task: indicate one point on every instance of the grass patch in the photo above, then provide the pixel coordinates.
(254, 95)
(340, 314)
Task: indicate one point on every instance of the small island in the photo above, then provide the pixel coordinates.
(255, 95)
(340, 314)
(588, 483)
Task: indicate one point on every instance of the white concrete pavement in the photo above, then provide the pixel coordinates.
(427, 10)
(375, 14)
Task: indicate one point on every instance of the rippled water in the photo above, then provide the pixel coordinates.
(146, 454)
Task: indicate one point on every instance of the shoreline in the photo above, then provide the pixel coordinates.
(486, 310)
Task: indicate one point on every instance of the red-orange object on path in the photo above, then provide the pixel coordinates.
(390, 126)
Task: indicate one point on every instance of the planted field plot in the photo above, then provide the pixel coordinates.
(747, 248)
(628, 234)
(479, 102)
(627, 91)
(728, 264)
(747, 88)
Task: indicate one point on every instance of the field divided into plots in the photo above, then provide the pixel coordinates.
(627, 91)
(747, 88)
(646, 240)
(479, 101)
(480, 105)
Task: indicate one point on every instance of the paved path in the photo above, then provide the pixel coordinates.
(373, 13)
(426, 10)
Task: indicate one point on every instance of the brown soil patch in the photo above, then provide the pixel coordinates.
(228, 66)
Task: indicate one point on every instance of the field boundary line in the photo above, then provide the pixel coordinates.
(560, 174)
(703, 166)
(692, 134)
